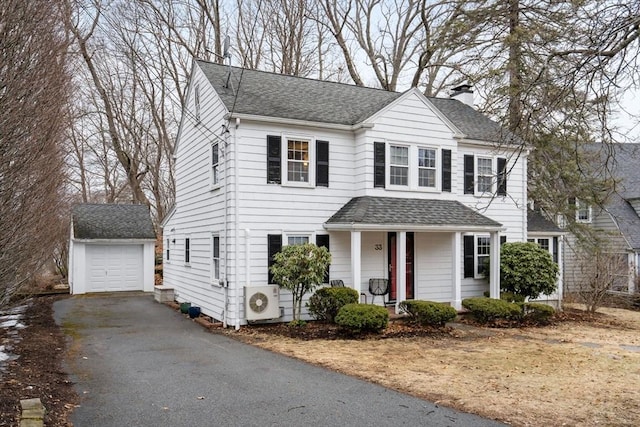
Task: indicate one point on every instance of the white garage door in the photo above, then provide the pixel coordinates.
(114, 268)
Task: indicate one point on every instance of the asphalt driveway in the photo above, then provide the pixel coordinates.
(139, 363)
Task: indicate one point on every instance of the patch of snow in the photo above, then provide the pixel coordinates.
(9, 323)
(10, 317)
(15, 310)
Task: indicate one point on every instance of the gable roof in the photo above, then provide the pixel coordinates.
(267, 94)
(625, 167)
(390, 211)
(537, 223)
(112, 221)
(626, 218)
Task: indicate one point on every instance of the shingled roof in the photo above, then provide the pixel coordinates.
(112, 221)
(537, 223)
(282, 96)
(390, 211)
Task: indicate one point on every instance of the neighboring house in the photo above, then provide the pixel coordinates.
(111, 249)
(399, 186)
(548, 236)
(617, 223)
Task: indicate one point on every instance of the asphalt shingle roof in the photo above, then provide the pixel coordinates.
(536, 222)
(283, 96)
(419, 212)
(112, 221)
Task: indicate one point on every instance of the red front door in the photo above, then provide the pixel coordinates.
(392, 256)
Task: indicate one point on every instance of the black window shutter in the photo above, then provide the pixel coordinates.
(378, 164)
(322, 163)
(446, 170)
(503, 239)
(468, 256)
(555, 249)
(502, 176)
(468, 174)
(274, 246)
(322, 240)
(273, 159)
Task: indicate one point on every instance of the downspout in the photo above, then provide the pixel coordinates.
(236, 218)
(225, 284)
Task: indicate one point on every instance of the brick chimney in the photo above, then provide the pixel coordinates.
(463, 93)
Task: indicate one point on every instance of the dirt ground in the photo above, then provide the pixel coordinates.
(37, 372)
(580, 370)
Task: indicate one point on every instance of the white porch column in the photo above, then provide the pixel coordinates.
(401, 268)
(560, 289)
(356, 251)
(494, 268)
(456, 275)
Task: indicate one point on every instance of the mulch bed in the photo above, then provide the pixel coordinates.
(38, 370)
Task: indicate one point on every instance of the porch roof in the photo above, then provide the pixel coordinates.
(392, 213)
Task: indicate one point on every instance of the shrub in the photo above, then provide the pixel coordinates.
(536, 312)
(487, 309)
(326, 302)
(526, 269)
(508, 296)
(428, 313)
(358, 318)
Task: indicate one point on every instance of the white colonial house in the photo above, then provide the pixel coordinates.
(418, 191)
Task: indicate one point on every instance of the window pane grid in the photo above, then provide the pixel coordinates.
(399, 165)
(485, 175)
(297, 240)
(298, 160)
(426, 167)
(483, 250)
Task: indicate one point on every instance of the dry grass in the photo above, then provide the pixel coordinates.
(577, 372)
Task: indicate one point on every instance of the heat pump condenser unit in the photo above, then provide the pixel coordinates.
(262, 302)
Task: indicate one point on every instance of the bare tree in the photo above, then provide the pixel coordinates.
(34, 88)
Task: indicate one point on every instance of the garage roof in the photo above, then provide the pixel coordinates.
(112, 221)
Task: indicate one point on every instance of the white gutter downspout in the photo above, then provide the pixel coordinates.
(225, 284)
(237, 226)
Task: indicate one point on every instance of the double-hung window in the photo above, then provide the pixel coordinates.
(167, 249)
(215, 258)
(483, 250)
(484, 175)
(583, 212)
(297, 240)
(196, 101)
(427, 167)
(187, 250)
(298, 157)
(215, 165)
(399, 165)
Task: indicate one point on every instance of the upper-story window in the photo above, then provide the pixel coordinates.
(427, 167)
(297, 161)
(298, 157)
(399, 165)
(215, 165)
(583, 212)
(411, 167)
(485, 175)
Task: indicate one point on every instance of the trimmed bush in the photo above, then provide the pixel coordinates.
(428, 313)
(537, 312)
(508, 296)
(487, 309)
(357, 318)
(325, 303)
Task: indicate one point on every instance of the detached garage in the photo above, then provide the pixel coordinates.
(111, 249)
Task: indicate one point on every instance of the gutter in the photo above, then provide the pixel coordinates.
(295, 122)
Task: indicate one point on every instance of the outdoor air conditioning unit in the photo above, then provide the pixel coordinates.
(262, 302)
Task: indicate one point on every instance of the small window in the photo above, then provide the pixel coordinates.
(297, 160)
(167, 249)
(215, 165)
(483, 250)
(196, 101)
(427, 167)
(297, 240)
(484, 176)
(583, 212)
(399, 165)
(187, 249)
(215, 257)
(544, 244)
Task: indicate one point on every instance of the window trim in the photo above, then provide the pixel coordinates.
(286, 236)
(476, 177)
(214, 170)
(588, 210)
(413, 168)
(215, 279)
(284, 161)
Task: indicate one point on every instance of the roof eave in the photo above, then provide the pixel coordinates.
(297, 122)
(546, 233)
(114, 240)
(411, 227)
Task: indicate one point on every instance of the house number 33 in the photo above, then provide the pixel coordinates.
(378, 246)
